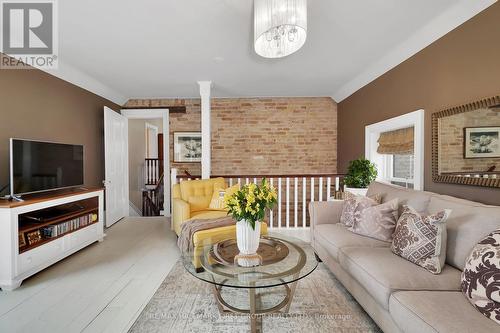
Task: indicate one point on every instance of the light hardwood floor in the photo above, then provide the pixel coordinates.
(102, 288)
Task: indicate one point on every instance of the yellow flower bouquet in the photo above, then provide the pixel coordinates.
(250, 202)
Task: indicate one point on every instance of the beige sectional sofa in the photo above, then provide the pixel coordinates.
(398, 295)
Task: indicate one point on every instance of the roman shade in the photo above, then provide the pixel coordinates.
(398, 142)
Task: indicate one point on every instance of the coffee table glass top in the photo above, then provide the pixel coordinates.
(284, 260)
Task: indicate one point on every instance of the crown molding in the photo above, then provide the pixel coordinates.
(83, 80)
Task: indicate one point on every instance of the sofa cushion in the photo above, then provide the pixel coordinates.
(334, 237)
(437, 311)
(381, 273)
(421, 239)
(377, 222)
(354, 205)
(417, 199)
(481, 276)
(468, 223)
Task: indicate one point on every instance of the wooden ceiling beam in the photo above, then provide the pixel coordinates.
(172, 109)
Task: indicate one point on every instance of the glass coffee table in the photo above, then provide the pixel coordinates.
(285, 261)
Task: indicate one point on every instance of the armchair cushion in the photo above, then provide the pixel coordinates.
(208, 214)
(217, 201)
(198, 202)
(198, 193)
(204, 187)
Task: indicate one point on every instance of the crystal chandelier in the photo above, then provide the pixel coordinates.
(280, 27)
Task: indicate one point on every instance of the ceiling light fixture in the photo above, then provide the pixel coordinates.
(280, 27)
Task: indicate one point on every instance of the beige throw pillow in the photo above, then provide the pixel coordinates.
(421, 239)
(378, 222)
(354, 205)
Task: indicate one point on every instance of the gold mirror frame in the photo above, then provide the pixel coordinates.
(436, 177)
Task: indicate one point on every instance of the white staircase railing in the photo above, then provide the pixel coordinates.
(294, 194)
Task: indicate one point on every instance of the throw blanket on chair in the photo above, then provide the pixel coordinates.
(189, 228)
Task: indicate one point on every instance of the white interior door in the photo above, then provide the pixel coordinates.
(116, 166)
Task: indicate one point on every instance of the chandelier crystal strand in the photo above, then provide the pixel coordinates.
(280, 27)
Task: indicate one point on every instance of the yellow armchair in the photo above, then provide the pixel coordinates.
(191, 199)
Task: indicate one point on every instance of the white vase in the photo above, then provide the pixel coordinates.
(247, 238)
(357, 191)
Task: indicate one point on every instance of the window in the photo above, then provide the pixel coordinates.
(399, 156)
(400, 170)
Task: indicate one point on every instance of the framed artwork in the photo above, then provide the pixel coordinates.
(482, 142)
(187, 147)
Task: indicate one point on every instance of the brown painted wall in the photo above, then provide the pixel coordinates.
(39, 106)
(261, 135)
(461, 67)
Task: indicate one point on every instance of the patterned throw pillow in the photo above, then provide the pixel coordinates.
(421, 239)
(378, 221)
(481, 276)
(217, 202)
(354, 205)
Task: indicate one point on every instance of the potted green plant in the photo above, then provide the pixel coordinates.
(248, 207)
(360, 174)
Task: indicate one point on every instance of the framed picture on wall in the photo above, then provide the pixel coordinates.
(187, 147)
(481, 142)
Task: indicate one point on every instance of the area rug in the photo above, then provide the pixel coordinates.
(185, 304)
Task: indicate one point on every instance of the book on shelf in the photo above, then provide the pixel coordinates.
(56, 230)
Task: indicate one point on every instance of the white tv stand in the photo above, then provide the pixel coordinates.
(18, 261)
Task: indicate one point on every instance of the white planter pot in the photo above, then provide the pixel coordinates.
(357, 191)
(247, 238)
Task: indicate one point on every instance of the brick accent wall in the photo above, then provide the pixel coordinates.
(261, 135)
(274, 136)
(451, 141)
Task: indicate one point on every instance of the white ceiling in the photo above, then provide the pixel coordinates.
(124, 49)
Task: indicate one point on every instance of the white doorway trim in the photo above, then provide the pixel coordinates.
(154, 114)
(151, 143)
(414, 119)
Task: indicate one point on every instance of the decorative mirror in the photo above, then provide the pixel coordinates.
(466, 144)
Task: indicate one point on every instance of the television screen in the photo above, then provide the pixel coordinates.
(40, 166)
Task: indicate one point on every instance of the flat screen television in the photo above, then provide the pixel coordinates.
(37, 166)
